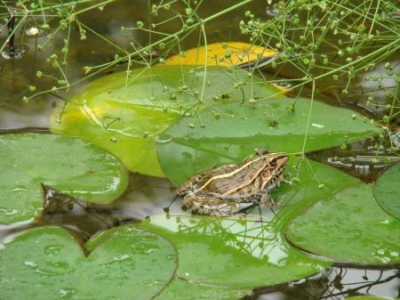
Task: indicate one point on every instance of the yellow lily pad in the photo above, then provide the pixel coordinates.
(223, 54)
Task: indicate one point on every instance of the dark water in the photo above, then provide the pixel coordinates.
(148, 196)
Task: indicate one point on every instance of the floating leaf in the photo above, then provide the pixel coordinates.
(230, 132)
(349, 228)
(70, 165)
(387, 191)
(181, 289)
(127, 114)
(238, 253)
(219, 251)
(311, 182)
(232, 253)
(223, 54)
(127, 263)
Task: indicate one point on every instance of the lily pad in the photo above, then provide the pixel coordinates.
(239, 253)
(349, 228)
(181, 289)
(387, 191)
(70, 165)
(230, 132)
(309, 182)
(127, 263)
(232, 253)
(127, 115)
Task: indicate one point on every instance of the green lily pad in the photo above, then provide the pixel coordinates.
(311, 182)
(228, 133)
(127, 263)
(235, 253)
(350, 227)
(232, 253)
(181, 289)
(387, 191)
(127, 114)
(69, 165)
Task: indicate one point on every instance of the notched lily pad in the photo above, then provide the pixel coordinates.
(387, 191)
(349, 228)
(228, 253)
(127, 115)
(72, 166)
(125, 263)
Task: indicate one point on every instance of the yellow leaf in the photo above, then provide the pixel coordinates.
(223, 54)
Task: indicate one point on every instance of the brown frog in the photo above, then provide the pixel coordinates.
(226, 190)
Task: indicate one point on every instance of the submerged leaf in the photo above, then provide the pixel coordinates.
(127, 263)
(72, 166)
(349, 228)
(387, 191)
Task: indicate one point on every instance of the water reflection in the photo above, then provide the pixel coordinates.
(335, 283)
(360, 159)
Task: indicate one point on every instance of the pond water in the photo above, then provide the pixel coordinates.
(35, 72)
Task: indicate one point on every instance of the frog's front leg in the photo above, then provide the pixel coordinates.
(268, 201)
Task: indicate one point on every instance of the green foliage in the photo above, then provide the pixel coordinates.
(127, 114)
(347, 49)
(229, 254)
(181, 289)
(72, 166)
(351, 35)
(387, 191)
(331, 47)
(64, 21)
(350, 227)
(232, 253)
(288, 125)
(139, 263)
